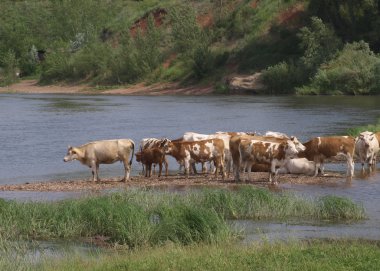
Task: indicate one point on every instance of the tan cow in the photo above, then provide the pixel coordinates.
(268, 152)
(103, 152)
(187, 152)
(320, 148)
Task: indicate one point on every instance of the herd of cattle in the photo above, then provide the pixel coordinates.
(243, 152)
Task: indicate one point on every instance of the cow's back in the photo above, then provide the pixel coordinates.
(109, 151)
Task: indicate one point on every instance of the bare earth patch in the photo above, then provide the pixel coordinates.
(31, 86)
(173, 181)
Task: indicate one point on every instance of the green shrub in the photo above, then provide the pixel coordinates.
(354, 71)
(281, 78)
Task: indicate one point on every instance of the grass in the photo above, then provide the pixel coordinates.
(370, 127)
(315, 255)
(142, 218)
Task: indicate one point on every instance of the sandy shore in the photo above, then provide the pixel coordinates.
(174, 182)
(32, 87)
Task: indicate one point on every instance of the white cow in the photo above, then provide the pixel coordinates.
(298, 166)
(103, 152)
(367, 148)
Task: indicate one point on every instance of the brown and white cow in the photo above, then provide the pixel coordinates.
(268, 152)
(187, 152)
(257, 166)
(152, 156)
(320, 148)
(103, 152)
(367, 148)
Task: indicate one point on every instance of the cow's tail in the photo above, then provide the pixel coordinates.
(133, 152)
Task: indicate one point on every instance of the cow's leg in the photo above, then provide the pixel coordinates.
(187, 167)
(228, 166)
(350, 165)
(272, 173)
(193, 167)
(143, 169)
(216, 164)
(127, 171)
(248, 168)
(146, 170)
(159, 169)
(94, 169)
(154, 169)
(222, 168)
(166, 167)
(204, 167)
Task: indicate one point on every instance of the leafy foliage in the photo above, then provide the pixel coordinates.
(354, 71)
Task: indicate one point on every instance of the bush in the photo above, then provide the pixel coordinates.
(281, 78)
(354, 71)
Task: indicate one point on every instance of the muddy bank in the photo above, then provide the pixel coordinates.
(173, 181)
(32, 87)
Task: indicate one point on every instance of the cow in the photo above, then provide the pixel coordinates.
(367, 148)
(191, 136)
(320, 148)
(298, 166)
(152, 156)
(187, 152)
(148, 143)
(99, 152)
(267, 152)
(257, 166)
(276, 134)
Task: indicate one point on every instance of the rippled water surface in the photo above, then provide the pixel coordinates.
(35, 131)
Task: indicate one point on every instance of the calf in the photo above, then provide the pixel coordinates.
(148, 143)
(268, 152)
(367, 148)
(298, 166)
(103, 152)
(187, 152)
(320, 148)
(152, 156)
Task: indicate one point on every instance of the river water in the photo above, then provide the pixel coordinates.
(35, 131)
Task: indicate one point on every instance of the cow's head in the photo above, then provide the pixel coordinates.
(366, 138)
(291, 149)
(168, 148)
(298, 145)
(72, 154)
(138, 156)
(164, 142)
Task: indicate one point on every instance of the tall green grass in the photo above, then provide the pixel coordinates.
(355, 131)
(316, 255)
(145, 218)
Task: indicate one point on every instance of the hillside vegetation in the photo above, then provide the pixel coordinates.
(300, 47)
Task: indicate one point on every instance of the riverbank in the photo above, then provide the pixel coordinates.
(174, 181)
(32, 87)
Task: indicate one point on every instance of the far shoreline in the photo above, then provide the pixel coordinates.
(31, 86)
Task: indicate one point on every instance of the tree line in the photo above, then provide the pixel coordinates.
(333, 51)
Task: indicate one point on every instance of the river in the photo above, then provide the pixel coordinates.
(35, 131)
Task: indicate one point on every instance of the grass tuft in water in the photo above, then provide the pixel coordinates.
(142, 218)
